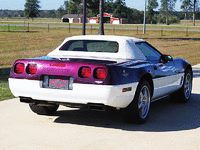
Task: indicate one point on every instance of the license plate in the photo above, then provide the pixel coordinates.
(56, 82)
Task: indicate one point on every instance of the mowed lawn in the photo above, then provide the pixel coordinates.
(40, 41)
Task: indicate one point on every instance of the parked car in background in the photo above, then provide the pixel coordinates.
(99, 71)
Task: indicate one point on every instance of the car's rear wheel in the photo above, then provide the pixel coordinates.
(44, 110)
(138, 110)
(184, 93)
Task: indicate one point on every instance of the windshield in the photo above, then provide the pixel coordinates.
(90, 46)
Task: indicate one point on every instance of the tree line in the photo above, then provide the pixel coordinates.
(118, 8)
(166, 13)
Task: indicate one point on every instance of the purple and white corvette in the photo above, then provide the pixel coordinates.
(97, 72)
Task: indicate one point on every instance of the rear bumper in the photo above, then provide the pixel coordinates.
(82, 93)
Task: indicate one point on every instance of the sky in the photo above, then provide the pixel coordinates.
(55, 4)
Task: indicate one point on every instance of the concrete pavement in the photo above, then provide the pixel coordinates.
(170, 126)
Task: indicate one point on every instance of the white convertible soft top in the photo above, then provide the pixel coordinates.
(127, 48)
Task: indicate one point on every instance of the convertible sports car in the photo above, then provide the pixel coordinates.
(97, 72)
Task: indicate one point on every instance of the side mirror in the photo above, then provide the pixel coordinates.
(166, 58)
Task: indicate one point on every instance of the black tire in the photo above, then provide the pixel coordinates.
(138, 110)
(184, 93)
(44, 110)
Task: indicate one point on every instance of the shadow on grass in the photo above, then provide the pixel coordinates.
(5, 92)
(4, 74)
(164, 116)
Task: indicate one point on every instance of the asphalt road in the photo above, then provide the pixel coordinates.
(170, 126)
(96, 27)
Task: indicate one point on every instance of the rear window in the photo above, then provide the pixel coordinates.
(91, 46)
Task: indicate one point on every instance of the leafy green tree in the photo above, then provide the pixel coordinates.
(60, 12)
(120, 9)
(51, 14)
(66, 3)
(167, 7)
(197, 14)
(21, 13)
(190, 5)
(186, 7)
(152, 4)
(75, 7)
(129, 14)
(32, 8)
(138, 16)
(109, 6)
(94, 6)
(5, 14)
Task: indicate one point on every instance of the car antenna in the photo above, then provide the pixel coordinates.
(24, 33)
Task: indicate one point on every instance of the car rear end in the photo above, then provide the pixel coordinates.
(69, 82)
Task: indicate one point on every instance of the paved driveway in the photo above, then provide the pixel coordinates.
(170, 126)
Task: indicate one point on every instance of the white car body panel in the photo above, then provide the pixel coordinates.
(167, 85)
(81, 93)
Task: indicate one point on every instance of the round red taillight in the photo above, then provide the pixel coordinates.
(19, 68)
(100, 73)
(85, 72)
(32, 69)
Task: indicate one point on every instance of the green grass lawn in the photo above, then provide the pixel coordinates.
(5, 92)
(7, 28)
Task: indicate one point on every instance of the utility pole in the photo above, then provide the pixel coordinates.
(84, 16)
(194, 12)
(101, 10)
(144, 17)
